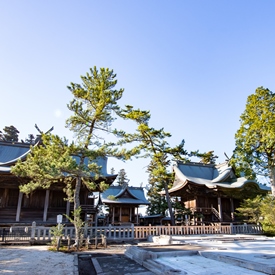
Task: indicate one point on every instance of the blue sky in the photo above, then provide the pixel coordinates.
(191, 63)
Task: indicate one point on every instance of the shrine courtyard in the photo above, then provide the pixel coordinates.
(205, 254)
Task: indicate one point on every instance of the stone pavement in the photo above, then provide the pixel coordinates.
(110, 261)
(208, 254)
(200, 254)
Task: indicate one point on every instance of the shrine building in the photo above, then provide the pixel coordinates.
(123, 203)
(212, 191)
(42, 205)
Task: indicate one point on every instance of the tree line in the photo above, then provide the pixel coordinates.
(11, 134)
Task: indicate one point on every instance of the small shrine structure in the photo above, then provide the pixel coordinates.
(123, 203)
(212, 191)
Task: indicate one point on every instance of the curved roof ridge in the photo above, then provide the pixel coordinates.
(193, 163)
(20, 157)
(223, 175)
(123, 190)
(179, 173)
(225, 163)
(182, 179)
(224, 178)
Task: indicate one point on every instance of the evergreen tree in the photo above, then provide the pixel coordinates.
(255, 139)
(208, 157)
(94, 105)
(249, 209)
(260, 209)
(268, 214)
(10, 133)
(158, 203)
(122, 179)
(112, 171)
(152, 143)
(30, 139)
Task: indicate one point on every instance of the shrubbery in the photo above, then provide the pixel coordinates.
(260, 209)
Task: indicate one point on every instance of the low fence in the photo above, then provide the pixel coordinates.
(142, 232)
(43, 234)
(15, 234)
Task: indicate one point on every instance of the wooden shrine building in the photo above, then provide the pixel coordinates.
(123, 203)
(41, 206)
(212, 192)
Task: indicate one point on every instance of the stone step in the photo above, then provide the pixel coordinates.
(256, 266)
(159, 269)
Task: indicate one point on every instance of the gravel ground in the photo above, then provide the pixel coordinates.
(39, 260)
(35, 260)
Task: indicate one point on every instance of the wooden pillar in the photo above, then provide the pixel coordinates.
(19, 203)
(232, 209)
(120, 214)
(95, 219)
(68, 208)
(5, 197)
(113, 216)
(131, 214)
(46, 205)
(220, 207)
(137, 216)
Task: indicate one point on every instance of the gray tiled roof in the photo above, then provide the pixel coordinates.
(136, 195)
(211, 176)
(101, 161)
(11, 152)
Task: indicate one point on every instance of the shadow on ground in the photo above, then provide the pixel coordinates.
(109, 264)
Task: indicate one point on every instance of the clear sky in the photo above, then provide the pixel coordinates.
(191, 63)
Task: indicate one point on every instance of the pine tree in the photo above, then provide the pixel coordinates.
(208, 157)
(122, 179)
(158, 203)
(30, 139)
(94, 104)
(112, 171)
(10, 133)
(152, 143)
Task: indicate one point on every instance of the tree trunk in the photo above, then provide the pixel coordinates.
(272, 180)
(77, 212)
(169, 204)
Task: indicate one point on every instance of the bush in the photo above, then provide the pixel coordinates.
(57, 234)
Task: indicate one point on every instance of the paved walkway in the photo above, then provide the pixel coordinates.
(218, 254)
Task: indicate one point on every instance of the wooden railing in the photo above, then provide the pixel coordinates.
(42, 234)
(142, 232)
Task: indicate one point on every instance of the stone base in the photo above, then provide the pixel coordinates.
(160, 240)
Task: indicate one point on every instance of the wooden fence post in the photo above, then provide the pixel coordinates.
(231, 228)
